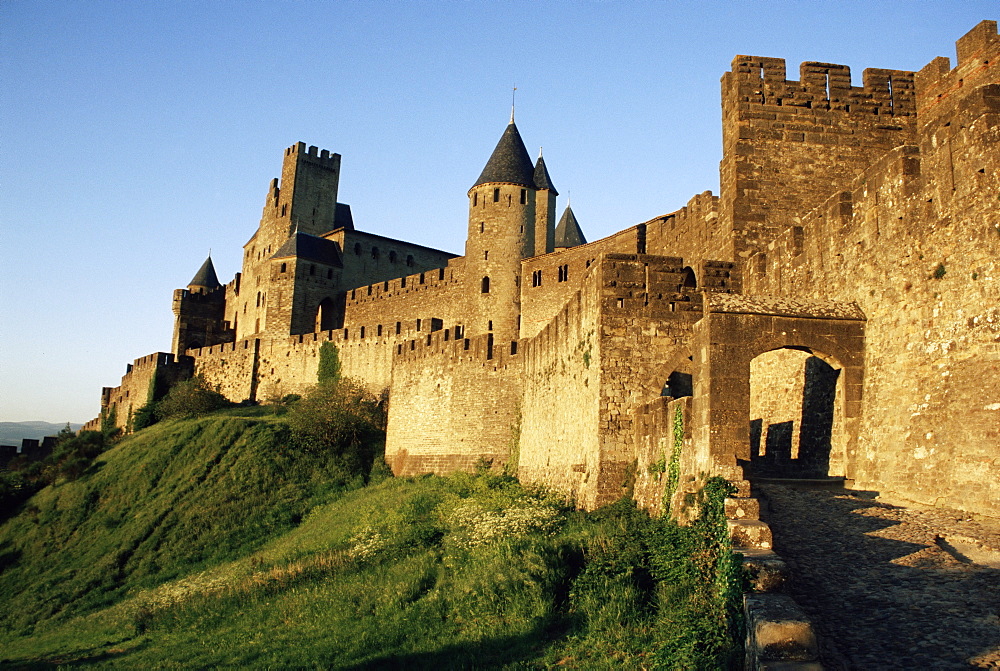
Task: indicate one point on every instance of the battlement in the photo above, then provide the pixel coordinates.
(438, 277)
(155, 360)
(758, 81)
(313, 154)
(483, 349)
(978, 63)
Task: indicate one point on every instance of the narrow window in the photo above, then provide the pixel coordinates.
(421, 278)
(284, 209)
(362, 331)
(399, 327)
(357, 249)
(475, 199)
(329, 274)
(490, 327)
(393, 257)
(486, 255)
(486, 285)
(496, 195)
(524, 196)
(482, 226)
(284, 267)
(379, 330)
(409, 259)
(418, 324)
(441, 274)
(375, 253)
(312, 270)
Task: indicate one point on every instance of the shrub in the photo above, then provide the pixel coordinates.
(342, 418)
(190, 398)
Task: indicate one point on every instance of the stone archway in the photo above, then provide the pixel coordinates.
(735, 330)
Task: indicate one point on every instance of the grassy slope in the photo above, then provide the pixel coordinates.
(206, 543)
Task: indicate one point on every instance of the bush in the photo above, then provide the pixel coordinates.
(190, 398)
(342, 418)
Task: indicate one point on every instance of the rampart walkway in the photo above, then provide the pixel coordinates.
(889, 587)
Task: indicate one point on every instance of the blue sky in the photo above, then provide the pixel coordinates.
(136, 136)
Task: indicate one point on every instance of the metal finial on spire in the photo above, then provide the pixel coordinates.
(512, 95)
(539, 152)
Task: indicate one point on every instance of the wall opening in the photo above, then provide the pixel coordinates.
(794, 417)
(485, 288)
(326, 319)
(688, 279)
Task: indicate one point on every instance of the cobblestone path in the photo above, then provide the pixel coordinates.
(889, 587)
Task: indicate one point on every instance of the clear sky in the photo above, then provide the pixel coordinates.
(136, 136)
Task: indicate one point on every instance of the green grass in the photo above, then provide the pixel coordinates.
(208, 542)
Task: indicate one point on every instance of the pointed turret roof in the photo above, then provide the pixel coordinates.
(205, 277)
(568, 233)
(542, 179)
(510, 163)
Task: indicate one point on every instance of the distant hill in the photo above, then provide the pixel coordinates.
(11, 433)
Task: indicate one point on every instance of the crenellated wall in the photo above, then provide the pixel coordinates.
(455, 404)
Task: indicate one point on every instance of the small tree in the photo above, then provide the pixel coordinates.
(190, 398)
(343, 418)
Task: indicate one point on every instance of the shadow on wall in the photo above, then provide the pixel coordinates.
(777, 449)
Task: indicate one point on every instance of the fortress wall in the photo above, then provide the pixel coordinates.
(654, 445)
(540, 303)
(136, 387)
(644, 330)
(788, 144)
(230, 369)
(915, 241)
(454, 404)
(609, 350)
(694, 232)
(560, 413)
(434, 298)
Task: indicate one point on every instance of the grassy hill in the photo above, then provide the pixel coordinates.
(212, 542)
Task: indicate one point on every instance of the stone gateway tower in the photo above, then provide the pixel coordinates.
(834, 311)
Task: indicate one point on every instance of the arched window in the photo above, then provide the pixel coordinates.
(689, 280)
(284, 267)
(486, 285)
(393, 257)
(357, 249)
(312, 269)
(375, 253)
(409, 260)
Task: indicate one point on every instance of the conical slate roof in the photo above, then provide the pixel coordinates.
(205, 277)
(510, 163)
(542, 179)
(568, 233)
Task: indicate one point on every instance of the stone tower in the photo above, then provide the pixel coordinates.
(304, 201)
(199, 312)
(505, 206)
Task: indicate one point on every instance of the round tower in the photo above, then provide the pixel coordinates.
(501, 233)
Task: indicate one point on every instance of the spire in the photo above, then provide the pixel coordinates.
(542, 179)
(568, 233)
(205, 277)
(509, 163)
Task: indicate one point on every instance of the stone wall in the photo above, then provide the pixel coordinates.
(137, 386)
(455, 404)
(550, 280)
(915, 242)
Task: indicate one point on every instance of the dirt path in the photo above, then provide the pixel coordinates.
(890, 587)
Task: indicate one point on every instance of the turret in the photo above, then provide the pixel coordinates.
(545, 208)
(502, 219)
(568, 233)
(205, 280)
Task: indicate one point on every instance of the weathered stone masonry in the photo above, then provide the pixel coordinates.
(835, 310)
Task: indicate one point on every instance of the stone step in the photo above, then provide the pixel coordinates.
(778, 632)
(766, 570)
(749, 534)
(742, 508)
